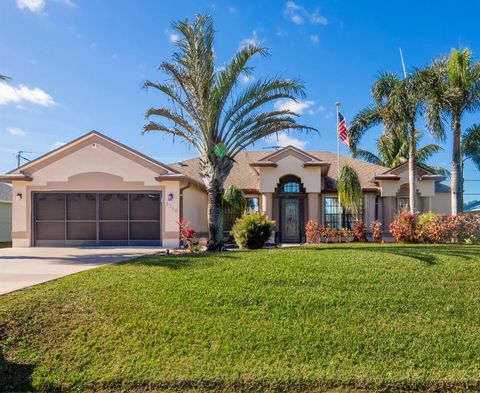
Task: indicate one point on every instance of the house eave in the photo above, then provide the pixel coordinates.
(9, 177)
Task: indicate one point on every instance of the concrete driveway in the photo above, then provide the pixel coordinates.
(24, 267)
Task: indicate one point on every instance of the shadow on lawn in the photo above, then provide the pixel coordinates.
(185, 261)
(428, 254)
(15, 377)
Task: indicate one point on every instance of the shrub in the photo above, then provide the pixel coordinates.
(467, 228)
(252, 230)
(187, 234)
(403, 227)
(360, 230)
(425, 227)
(348, 235)
(312, 232)
(377, 234)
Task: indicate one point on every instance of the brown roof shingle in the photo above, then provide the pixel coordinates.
(245, 177)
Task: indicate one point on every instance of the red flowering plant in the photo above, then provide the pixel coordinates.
(186, 234)
(377, 233)
(312, 232)
(360, 230)
(403, 227)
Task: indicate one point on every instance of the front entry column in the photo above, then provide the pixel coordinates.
(267, 204)
(314, 206)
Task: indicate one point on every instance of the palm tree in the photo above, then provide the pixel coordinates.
(397, 104)
(471, 145)
(392, 151)
(452, 88)
(209, 112)
(4, 78)
(350, 190)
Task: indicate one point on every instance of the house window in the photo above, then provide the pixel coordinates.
(252, 205)
(331, 212)
(331, 215)
(403, 203)
(291, 186)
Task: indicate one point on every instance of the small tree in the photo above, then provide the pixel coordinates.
(350, 190)
(234, 205)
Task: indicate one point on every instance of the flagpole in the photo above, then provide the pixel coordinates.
(337, 104)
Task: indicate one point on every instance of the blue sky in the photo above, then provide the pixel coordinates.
(78, 65)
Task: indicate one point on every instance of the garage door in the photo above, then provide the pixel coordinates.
(69, 219)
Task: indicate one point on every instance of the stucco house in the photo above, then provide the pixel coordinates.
(97, 191)
(5, 213)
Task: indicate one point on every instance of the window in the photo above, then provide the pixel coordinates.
(291, 186)
(252, 205)
(331, 215)
(331, 212)
(403, 202)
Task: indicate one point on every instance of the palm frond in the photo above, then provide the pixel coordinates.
(364, 120)
(367, 156)
(471, 144)
(349, 190)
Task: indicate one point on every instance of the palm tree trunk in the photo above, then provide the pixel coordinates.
(412, 169)
(215, 217)
(457, 171)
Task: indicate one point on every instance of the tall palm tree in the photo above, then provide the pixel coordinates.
(208, 112)
(397, 104)
(452, 88)
(4, 78)
(471, 145)
(392, 150)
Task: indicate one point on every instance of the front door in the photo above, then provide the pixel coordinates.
(290, 220)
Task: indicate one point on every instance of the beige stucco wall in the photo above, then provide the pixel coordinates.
(5, 221)
(94, 169)
(441, 203)
(195, 208)
(290, 165)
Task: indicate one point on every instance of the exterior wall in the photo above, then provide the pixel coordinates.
(311, 177)
(5, 221)
(369, 208)
(195, 208)
(94, 169)
(441, 203)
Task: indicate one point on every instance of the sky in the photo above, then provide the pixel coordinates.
(79, 65)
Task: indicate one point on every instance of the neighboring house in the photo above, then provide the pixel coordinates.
(5, 213)
(95, 190)
(473, 208)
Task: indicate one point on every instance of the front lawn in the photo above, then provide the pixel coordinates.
(375, 317)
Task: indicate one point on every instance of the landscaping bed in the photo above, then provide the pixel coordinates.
(356, 316)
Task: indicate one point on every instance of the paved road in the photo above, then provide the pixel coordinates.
(24, 267)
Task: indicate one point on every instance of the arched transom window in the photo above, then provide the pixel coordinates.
(291, 185)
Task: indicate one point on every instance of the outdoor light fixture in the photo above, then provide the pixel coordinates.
(18, 197)
(170, 197)
(94, 145)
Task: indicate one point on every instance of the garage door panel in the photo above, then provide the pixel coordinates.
(81, 206)
(113, 206)
(113, 230)
(82, 231)
(144, 206)
(50, 231)
(50, 206)
(144, 230)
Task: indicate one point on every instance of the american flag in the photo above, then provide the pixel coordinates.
(342, 130)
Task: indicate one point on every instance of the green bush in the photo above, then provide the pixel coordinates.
(252, 230)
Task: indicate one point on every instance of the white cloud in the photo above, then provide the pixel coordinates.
(247, 78)
(39, 5)
(11, 94)
(56, 145)
(283, 140)
(31, 5)
(299, 14)
(16, 131)
(173, 37)
(315, 38)
(253, 40)
(297, 107)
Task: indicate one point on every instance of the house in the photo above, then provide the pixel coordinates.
(95, 190)
(473, 208)
(5, 213)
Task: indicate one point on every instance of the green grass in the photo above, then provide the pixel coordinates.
(366, 317)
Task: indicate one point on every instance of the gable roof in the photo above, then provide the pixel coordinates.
(92, 136)
(246, 178)
(5, 193)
